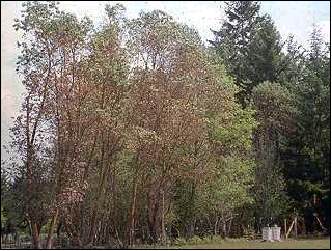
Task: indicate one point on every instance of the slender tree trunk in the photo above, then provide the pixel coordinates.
(58, 229)
(163, 219)
(35, 236)
(224, 229)
(92, 227)
(229, 227)
(216, 226)
(100, 193)
(132, 216)
(154, 214)
(49, 243)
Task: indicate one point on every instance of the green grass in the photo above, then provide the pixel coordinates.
(244, 244)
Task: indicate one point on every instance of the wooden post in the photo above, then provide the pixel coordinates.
(320, 223)
(290, 229)
(285, 228)
(295, 227)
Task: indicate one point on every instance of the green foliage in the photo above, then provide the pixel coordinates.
(264, 56)
(275, 107)
(307, 156)
(229, 189)
(275, 114)
(153, 117)
(237, 133)
(249, 46)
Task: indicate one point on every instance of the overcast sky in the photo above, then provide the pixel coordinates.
(290, 17)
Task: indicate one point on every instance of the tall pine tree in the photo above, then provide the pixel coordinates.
(249, 45)
(307, 156)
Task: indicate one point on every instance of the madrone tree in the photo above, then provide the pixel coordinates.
(116, 119)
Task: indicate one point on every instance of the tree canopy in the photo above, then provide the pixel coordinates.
(133, 132)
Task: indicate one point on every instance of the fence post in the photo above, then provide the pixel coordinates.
(295, 227)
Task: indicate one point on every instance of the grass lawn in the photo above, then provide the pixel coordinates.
(244, 244)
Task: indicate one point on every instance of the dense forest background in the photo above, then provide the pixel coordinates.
(135, 132)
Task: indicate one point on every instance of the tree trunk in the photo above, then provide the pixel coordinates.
(35, 236)
(229, 227)
(132, 216)
(224, 229)
(190, 228)
(92, 227)
(49, 243)
(216, 226)
(154, 211)
(163, 219)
